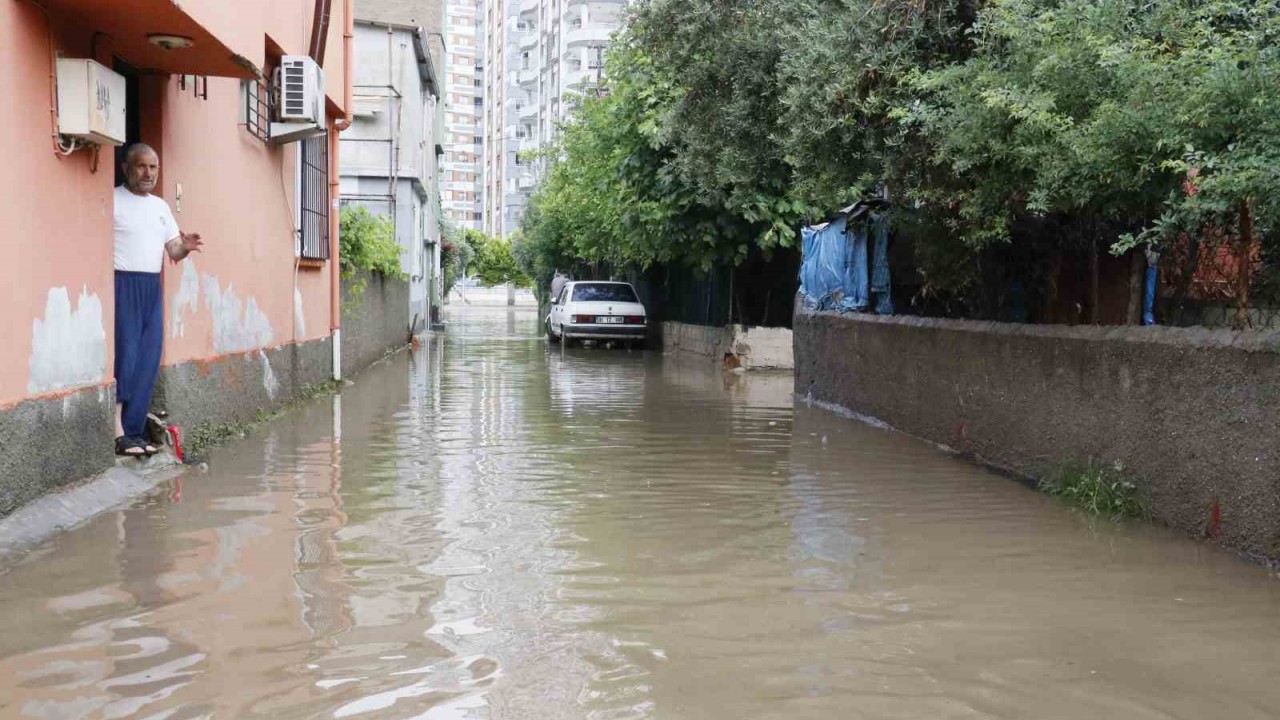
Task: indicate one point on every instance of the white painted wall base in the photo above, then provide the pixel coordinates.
(337, 354)
(756, 348)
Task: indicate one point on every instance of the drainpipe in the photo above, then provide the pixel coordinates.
(348, 53)
(335, 276)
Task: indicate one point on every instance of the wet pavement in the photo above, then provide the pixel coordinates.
(491, 528)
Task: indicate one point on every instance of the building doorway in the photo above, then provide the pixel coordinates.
(133, 113)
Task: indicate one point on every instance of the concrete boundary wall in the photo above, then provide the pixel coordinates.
(374, 320)
(48, 443)
(1194, 414)
(756, 348)
(235, 388)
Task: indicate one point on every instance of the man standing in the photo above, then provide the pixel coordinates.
(144, 232)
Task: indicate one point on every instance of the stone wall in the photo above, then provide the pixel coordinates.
(1193, 414)
(235, 388)
(47, 443)
(374, 320)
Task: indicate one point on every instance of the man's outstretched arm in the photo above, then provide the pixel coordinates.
(183, 245)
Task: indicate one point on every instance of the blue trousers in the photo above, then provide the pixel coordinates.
(139, 342)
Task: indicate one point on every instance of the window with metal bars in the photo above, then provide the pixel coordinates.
(256, 109)
(314, 240)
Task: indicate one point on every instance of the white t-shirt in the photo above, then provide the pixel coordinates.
(143, 224)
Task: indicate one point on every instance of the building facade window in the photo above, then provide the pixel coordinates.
(313, 240)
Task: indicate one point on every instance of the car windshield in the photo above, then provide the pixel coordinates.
(603, 292)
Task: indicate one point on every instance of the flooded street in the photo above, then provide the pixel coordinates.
(491, 528)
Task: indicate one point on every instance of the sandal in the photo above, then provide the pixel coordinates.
(129, 447)
(147, 447)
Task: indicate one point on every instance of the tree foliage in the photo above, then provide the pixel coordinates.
(455, 253)
(368, 242)
(492, 260)
(1038, 122)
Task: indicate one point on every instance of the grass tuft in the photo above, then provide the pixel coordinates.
(1104, 489)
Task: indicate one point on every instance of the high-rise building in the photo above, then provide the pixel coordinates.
(462, 184)
(544, 55)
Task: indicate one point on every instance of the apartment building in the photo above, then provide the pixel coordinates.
(390, 154)
(544, 56)
(249, 320)
(461, 180)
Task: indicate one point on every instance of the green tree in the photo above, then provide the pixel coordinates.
(455, 253)
(1045, 124)
(1095, 112)
(492, 260)
(368, 242)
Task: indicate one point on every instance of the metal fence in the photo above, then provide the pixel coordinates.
(1214, 282)
(757, 293)
(1052, 276)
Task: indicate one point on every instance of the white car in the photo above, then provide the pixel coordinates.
(597, 310)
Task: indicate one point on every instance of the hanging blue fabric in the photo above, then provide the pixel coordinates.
(823, 268)
(1149, 293)
(855, 270)
(808, 249)
(881, 287)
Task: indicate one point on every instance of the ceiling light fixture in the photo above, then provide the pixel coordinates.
(170, 42)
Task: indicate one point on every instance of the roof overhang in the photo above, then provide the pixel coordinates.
(131, 23)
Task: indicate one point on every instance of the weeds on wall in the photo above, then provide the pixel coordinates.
(368, 242)
(1104, 489)
(210, 435)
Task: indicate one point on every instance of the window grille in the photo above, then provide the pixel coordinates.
(257, 107)
(314, 242)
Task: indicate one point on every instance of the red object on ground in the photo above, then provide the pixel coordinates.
(1215, 520)
(175, 435)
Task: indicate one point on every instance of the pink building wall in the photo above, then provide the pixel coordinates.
(243, 293)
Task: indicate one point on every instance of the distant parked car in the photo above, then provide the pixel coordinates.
(597, 310)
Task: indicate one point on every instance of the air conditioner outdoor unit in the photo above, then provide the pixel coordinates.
(299, 89)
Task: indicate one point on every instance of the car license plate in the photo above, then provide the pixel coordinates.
(609, 319)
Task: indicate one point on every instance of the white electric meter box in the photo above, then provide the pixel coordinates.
(91, 102)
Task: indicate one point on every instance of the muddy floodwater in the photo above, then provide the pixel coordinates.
(488, 527)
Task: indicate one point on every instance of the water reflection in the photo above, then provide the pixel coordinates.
(489, 527)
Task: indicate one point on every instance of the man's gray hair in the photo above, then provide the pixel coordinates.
(137, 149)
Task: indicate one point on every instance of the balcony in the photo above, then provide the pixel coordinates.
(578, 78)
(529, 7)
(528, 112)
(528, 76)
(589, 35)
(529, 40)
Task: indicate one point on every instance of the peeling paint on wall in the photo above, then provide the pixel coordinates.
(68, 346)
(269, 381)
(238, 325)
(299, 318)
(187, 298)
